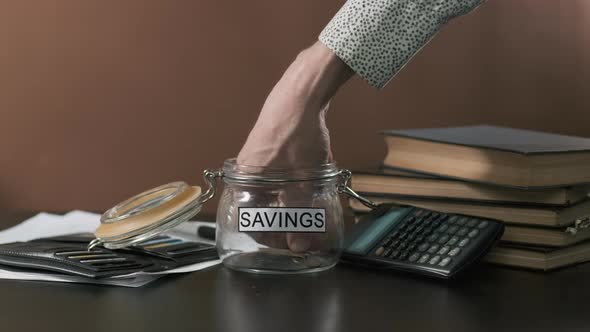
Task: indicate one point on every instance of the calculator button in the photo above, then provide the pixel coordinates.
(443, 250)
(388, 252)
(419, 230)
(404, 256)
(433, 237)
(443, 217)
(395, 243)
(462, 221)
(452, 220)
(483, 224)
(473, 233)
(411, 238)
(443, 228)
(463, 242)
(403, 236)
(419, 239)
(424, 258)
(402, 245)
(414, 257)
(394, 254)
(463, 231)
(433, 248)
(388, 242)
(411, 228)
(453, 241)
(453, 229)
(394, 234)
(445, 262)
(472, 223)
(426, 214)
(434, 260)
(423, 246)
(443, 239)
(418, 213)
(454, 252)
(411, 247)
(379, 251)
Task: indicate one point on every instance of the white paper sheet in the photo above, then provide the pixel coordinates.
(130, 281)
(47, 225)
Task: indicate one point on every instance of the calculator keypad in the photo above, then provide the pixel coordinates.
(430, 238)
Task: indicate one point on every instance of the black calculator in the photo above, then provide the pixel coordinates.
(417, 240)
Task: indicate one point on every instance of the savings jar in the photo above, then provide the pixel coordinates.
(279, 220)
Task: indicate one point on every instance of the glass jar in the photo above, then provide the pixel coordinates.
(272, 220)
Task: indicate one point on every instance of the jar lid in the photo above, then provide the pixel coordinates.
(148, 214)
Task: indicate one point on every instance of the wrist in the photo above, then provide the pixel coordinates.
(319, 74)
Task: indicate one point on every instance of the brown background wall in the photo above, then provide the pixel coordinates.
(101, 99)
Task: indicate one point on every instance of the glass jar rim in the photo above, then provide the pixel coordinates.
(246, 173)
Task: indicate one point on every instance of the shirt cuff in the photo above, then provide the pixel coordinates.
(377, 38)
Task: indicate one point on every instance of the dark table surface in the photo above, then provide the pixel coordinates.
(488, 298)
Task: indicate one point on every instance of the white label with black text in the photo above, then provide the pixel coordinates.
(305, 220)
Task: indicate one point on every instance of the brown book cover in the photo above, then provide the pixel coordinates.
(518, 215)
(550, 237)
(490, 154)
(400, 183)
(544, 259)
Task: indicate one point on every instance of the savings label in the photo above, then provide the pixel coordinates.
(305, 220)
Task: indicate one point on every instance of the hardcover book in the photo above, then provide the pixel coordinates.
(490, 154)
(399, 183)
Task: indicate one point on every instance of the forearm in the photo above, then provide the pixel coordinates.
(316, 74)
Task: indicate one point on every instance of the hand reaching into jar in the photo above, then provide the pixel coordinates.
(291, 130)
(372, 38)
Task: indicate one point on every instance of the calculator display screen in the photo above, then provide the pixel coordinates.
(364, 241)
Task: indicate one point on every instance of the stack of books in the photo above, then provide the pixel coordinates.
(537, 183)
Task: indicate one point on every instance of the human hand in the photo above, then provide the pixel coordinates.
(291, 130)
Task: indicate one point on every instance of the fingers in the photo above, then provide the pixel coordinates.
(316, 195)
(299, 242)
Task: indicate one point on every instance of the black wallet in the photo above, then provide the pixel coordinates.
(69, 255)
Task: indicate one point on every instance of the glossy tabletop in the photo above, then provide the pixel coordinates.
(487, 298)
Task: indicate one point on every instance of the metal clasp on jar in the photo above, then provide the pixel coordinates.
(211, 179)
(344, 188)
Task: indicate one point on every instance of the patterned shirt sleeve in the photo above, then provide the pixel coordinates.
(376, 38)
